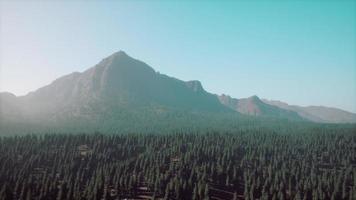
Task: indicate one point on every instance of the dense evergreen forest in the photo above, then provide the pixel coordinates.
(296, 163)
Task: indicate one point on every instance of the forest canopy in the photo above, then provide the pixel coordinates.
(299, 162)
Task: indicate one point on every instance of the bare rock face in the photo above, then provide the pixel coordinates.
(196, 86)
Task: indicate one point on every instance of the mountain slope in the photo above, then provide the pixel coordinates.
(117, 89)
(122, 93)
(254, 106)
(320, 114)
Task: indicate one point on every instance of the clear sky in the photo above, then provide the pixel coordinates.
(300, 52)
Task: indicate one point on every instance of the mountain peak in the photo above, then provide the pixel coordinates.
(118, 55)
(121, 64)
(254, 98)
(7, 94)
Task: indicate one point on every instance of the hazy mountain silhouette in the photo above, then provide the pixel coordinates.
(317, 113)
(117, 85)
(121, 91)
(254, 106)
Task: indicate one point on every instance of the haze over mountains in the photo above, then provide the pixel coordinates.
(121, 90)
(320, 114)
(256, 107)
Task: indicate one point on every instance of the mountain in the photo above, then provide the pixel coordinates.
(123, 94)
(319, 114)
(119, 89)
(256, 107)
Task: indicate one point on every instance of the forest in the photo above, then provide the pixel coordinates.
(317, 162)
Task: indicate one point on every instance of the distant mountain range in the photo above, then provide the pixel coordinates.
(256, 107)
(121, 89)
(270, 108)
(319, 114)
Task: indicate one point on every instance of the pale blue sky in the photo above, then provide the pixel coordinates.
(300, 52)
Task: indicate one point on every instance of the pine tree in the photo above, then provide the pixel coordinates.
(195, 195)
(235, 196)
(298, 196)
